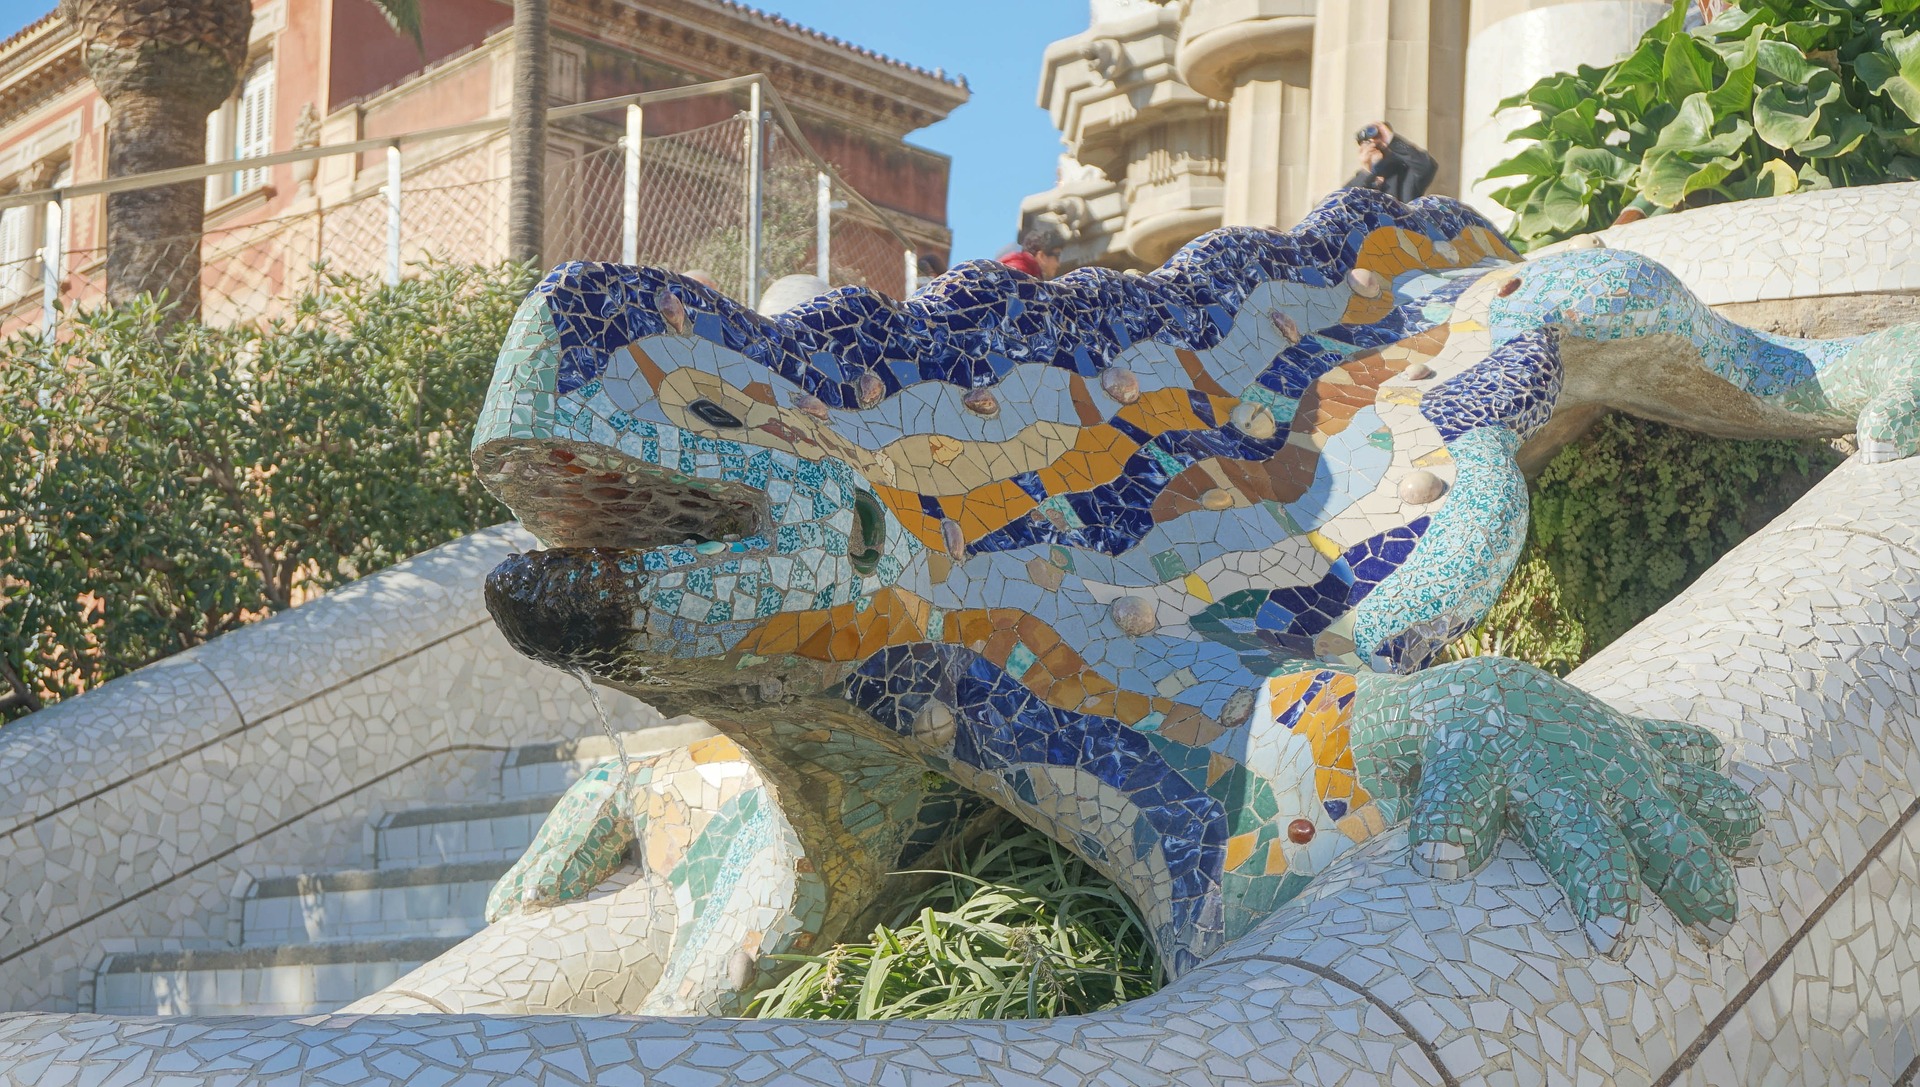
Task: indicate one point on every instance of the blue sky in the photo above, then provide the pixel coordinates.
(1002, 145)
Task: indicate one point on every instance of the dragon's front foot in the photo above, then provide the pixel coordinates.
(1889, 427)
(1605, 802)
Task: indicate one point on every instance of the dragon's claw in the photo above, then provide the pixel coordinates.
(1605, 802)
(1889, 426)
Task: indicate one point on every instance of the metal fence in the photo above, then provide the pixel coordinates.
(744, 199)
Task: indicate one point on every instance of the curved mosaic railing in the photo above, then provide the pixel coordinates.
(1807, 245)
(129, 813)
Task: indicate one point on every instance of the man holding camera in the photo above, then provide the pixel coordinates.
(1392, 164)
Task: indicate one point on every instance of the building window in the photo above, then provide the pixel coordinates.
(16, 253)
(32, 245)
(55, 232)
(253, 125)
(566, 68)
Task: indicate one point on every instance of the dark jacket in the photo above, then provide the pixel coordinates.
(1405, 170)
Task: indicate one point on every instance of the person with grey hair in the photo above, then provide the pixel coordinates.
(789, 291)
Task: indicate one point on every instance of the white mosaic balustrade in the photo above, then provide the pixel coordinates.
(1798, 648)
(133, 817)
(1807, 245)
(319, 940)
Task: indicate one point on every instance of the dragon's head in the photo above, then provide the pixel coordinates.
(696, 504)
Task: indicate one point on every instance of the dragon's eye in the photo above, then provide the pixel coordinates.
(713, 414)
(869, 532)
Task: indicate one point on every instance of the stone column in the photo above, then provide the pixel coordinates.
(1254, 55)
(1268, 119)
(1142, 172)
(1514, 43)
(1398, 61)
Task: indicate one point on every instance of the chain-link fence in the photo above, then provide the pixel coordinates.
(684, 200)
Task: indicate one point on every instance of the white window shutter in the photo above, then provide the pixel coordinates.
(217, 151)
(253, 128)
(16, 253)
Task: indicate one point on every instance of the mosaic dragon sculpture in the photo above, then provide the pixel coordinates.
(1162, 564)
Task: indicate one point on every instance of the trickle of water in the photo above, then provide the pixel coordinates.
(626, 764)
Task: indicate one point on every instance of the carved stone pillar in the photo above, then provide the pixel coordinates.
(1145, 154)
(1268, 124)
(1398, 61)
(1254, 56)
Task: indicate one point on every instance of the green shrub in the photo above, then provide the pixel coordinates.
(1626, 518)
(164, 483)
(1772, 97)
(1022, 929)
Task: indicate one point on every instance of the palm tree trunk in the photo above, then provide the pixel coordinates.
(527, 132)
(153, 234)
(162, 66)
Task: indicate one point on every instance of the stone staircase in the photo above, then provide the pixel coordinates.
(318, 941)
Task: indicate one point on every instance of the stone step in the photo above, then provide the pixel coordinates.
(442, 900)
(460, 833)
(542, 769)
(291, 980)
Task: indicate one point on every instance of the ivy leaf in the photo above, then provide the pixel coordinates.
(1576, 124)
(1840, 133)
(1776, 178)
(1539, 158)
(1781, 62)
(1600, 162)
(1672, 23)
(1557, 93)
(1645, 65)
(1668, 177)
(1895, 73)
(1787, 116)
(1691, 132)
(1564, 203)
(1734, 95)
(1686, 71)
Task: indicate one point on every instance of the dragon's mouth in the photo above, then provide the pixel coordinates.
(581, 602)
(575, 495)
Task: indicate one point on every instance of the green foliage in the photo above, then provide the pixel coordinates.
(404, 17)
(1626, 518)
(1023, 929)
(1772, 97)
(164, 482)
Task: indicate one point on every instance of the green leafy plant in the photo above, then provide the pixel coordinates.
(163, 482)
(1020, 930)
(1622, 521)
(1771, 97)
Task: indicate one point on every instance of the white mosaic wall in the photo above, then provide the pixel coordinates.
(1798, 649)
(1807, 245)
(132, 817)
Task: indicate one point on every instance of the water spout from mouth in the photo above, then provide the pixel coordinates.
(626, 764)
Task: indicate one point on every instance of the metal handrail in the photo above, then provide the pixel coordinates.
(63, 193)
